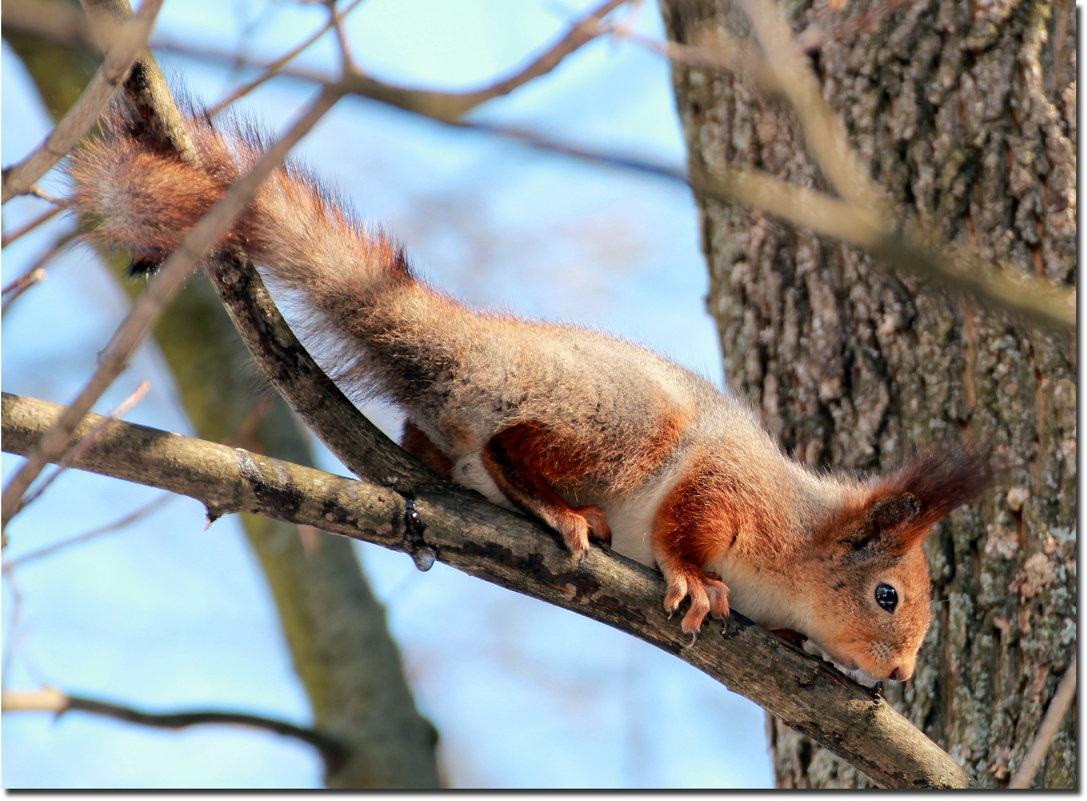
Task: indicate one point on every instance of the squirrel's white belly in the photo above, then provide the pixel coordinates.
(468, 471)
(631, 518)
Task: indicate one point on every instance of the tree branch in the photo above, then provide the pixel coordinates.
(51, 700)
(910, 244)
(462, 530)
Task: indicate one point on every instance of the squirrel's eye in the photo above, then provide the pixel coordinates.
(886, 597)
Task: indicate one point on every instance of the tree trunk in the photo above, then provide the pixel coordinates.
(965, 114)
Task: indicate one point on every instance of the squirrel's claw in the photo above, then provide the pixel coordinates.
(708, 594)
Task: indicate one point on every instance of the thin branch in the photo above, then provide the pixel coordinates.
(912, 246)
(274, 68)
(443, 106)
(130, 38)
(435, 104)
(823, 130)
(818, 35)
(463, 530)
(285, 363)
(51, 700)
(13, 635)
(313, 396)
(1051, 723)
(347, 61)
(916, 247)
(109, 528)
(35, 272)
(718, 50)
(32, 277)
(31, 225)
(162, 287)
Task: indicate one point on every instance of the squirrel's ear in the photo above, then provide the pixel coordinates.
(889, 523)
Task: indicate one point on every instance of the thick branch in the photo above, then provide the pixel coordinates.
(464, 531)
(51, 700)
(313, 396)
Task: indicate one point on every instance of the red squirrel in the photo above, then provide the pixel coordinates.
(597, 437)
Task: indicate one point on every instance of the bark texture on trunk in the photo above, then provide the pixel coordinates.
(965, 114)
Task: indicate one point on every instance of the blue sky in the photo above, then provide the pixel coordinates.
(166, 615)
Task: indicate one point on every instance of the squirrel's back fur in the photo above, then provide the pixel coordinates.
(594, 435)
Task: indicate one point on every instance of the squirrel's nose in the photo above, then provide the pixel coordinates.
(900, 674)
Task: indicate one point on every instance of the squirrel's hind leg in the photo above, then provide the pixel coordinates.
(525, 460)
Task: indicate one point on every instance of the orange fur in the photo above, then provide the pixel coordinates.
(422, 447)
(699, 521)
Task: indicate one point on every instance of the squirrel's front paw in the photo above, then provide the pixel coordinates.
(708, 594)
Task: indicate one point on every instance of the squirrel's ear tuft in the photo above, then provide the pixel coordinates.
(943, 478)
(903, 507)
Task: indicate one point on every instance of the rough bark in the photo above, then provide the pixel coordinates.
(334, 627)
(965, 115)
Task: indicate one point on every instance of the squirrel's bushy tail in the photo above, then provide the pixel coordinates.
(144, 200)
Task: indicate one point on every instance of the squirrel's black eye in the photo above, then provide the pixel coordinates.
(886, 597)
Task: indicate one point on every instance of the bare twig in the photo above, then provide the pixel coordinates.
(274, 68)
(51, 700)
(159, 291)
(823, 130)
(444, 106)
(439, 105)
(909, 246)
(468, 533)
(286, 364)
(1054, 715)
(347, 61)
(925, 252)
(915, 247)
(31, 225)
(129, 40)
(716, 50)
(109, 528)
(13, 635)
(32, 277)
(35, 272)
(53, 19)
(817, 35)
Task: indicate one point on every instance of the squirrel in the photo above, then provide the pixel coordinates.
(599, 438)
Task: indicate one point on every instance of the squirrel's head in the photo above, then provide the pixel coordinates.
(870, 608)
